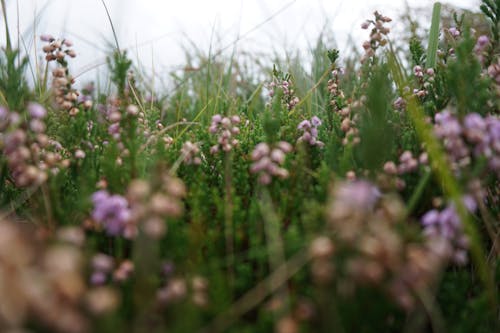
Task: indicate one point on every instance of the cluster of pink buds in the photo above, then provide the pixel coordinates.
(333, 88)
(377, 35)
(288, 99)
(348, 123)
(42, 285)
(66, 97)
(142, 207)
(453, 32)
(104, 268)
(268, 162)
(494, 73)
(365, 228)
(226, 128)
(57, 49)
(407, 164)
(425, 78)
(481, 47)
(29, 152)
(399, 104)
(151, 205)
(176, 289)
(114, 113)
(85, 97)
(310, 131)
(190, 152)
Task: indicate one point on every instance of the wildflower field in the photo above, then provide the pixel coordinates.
(351, 193)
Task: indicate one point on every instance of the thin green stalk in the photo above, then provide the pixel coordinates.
(433, 37)
(274, 240)
(443, 175)
(417, 194)
(112, 26)
(259, 293)
(228, 217)
(7, 33)
(451, 188)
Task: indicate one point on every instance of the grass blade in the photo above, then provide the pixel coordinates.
(433, 36)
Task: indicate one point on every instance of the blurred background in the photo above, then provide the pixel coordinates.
(159, 33)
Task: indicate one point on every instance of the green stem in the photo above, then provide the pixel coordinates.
(433, 37)
(417, 194)
(228, 217)
(451, 188)
(274, 240)
(7, 33)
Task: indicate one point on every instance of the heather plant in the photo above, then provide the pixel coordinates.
(351, 193)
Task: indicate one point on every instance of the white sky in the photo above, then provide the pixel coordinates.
(157, 30)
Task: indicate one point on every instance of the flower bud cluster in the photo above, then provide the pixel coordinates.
(176, 289)
(288, 98)
(190, 153)
(226, 129)
(85, 98)
(199, 288)
(474, 136)
(481, 48)
(112, 212)
(114, 114)
(41, 285)
(407, 164)
(454, 32)
(447, 225)
(494, 73)
(29, 152)
(310, 131)
(65, 96)
(366, 231)
(57, 49)
(377, 35)
(104, 269)
(425, 79)
(150, 206)
(336, 94)
(142, 206)
(321, 251)
(268, 161)
(348, 123)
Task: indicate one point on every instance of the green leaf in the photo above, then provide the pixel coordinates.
(433, 36)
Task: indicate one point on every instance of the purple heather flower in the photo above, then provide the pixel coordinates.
(227, 129)
(399, 103)
(111, 211)
(304, 124)
(315, 121)
(47, 38)
(36, 110)
(447, 224)
(98, 278)
(482, 41)
(310, 131)
(454, 31)
(114, 129)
